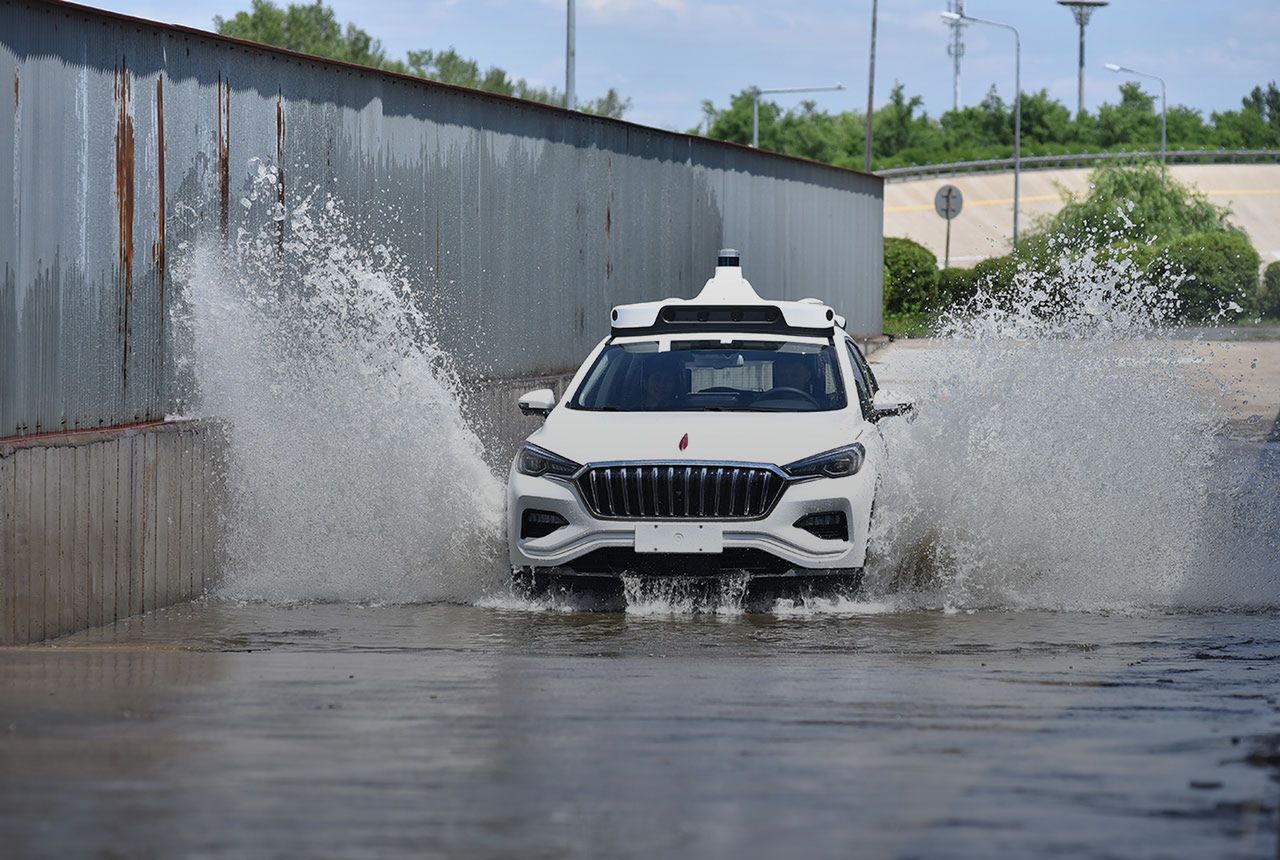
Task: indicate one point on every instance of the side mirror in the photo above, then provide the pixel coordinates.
(538, 402)
(887, 404)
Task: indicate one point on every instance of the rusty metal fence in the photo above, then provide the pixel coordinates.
(125, 140)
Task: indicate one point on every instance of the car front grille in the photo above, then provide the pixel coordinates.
(681, 490)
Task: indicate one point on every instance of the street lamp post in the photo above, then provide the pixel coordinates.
(756, 92)
(570, 58)
(1017, 106)
(1082, 10)
(1163, 105)
(871, 92)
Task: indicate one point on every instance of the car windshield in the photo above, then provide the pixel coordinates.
(708, 375)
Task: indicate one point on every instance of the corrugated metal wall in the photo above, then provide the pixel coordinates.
(98, 526)
(524, 224)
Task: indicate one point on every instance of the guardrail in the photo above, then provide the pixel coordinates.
(1081, 159)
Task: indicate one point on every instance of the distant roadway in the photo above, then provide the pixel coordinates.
(984, 227)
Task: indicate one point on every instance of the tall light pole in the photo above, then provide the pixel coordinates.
(871, 91)
(756, 92)
(956, 49)
(1082, 9)
(570, 59)
(1017, 106)
(1163, 113)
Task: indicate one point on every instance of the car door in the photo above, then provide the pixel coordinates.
(867, 386)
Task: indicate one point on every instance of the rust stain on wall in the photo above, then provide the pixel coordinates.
(608, 220)
(157, 248)
(224, 151)
(280, 166)
(124, 197)
(15, 93)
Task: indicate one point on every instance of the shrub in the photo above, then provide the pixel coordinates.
(1140, 254)
(1267, 301)
(910, 277)
(995, 274)
(955, 286)
(1212, 269)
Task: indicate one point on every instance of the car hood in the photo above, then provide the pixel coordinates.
(757, 437)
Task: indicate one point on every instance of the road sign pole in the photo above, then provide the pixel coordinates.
(948, 202)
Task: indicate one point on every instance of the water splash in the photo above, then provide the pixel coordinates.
(671, 595)
(352, 473)
(1065, 458)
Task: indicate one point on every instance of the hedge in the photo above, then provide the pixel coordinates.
(910, 277)
(1211, 270)
(995, 274)
(956, 286)
(1267, 301)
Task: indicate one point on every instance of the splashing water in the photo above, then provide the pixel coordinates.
(1063, 459)
(352, 474)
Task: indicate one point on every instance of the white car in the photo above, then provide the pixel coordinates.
(720, 434)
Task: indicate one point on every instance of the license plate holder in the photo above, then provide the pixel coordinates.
(683, 538)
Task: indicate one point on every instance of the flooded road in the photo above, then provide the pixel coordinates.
(377, 693)
(443, 730)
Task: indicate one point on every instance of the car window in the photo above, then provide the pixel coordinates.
(861, 377)
(708, 375)
(865, 367)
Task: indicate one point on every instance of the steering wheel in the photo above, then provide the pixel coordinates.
(718, 389)
(783, 392)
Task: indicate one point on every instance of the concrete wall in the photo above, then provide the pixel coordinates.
(99, 526)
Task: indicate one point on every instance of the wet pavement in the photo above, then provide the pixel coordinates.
(332, 730)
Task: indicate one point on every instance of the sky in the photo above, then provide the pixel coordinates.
(668, 56)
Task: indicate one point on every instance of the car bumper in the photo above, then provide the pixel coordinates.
(587, 539)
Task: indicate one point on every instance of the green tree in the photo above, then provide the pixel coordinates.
(904, 134)
(1265, 103)
(314, 29)
(1133, 120)
(310, 28)
(1136, 203)
(896, 126)
(609, 104)
(1187, 128)
(1046, 120)
(1255, 125)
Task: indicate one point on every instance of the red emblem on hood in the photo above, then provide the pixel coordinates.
(684, 441)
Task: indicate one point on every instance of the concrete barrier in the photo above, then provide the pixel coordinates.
(98, 526)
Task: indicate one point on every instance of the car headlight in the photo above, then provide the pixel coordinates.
(838, 463)
(537, 462)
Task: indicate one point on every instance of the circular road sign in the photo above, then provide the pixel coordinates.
(948, 201)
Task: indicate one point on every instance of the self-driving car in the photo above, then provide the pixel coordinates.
(720, 434)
